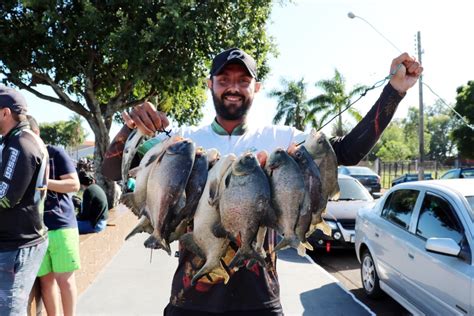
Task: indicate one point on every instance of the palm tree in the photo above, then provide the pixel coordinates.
(292, 105)
(333, 102)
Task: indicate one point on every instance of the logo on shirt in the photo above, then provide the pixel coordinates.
(10, 167)
(3, 189)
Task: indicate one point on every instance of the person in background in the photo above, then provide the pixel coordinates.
(92, 217)
(62, 257)
(23, 183)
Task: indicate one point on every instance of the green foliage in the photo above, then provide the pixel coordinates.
(68, 134)
(462, 135)
(411, 131)
(292, 107)
(440, 123)
(333, 101)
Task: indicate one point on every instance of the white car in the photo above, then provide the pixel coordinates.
(416, 245)
(341, 215)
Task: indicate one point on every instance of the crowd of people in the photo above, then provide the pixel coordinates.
(39, 227)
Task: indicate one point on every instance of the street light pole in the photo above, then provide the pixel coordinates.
(421, 173)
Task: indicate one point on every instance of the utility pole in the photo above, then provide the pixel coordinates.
(421, 170)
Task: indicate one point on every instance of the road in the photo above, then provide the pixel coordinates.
(343, 265)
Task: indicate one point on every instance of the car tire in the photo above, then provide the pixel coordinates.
(369, 276)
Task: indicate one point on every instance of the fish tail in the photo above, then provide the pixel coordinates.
(143, 226)
(244, 254)
(157, 243)
(290, 241)
(211, 268)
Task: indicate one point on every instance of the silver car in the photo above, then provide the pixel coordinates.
(416, 245)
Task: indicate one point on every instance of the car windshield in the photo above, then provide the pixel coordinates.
(361, 171)
(468, 173)
(353, 190)
(470, 200)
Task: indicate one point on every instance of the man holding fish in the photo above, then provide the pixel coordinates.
(234, 82)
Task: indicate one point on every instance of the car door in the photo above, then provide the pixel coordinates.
(390, 236)
(439, 284)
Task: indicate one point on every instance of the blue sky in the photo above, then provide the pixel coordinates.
(316, 36)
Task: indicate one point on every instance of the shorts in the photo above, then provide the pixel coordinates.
(63, 252)
(171, 310)
(18, 269)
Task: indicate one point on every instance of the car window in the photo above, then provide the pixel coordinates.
(438, 219)
(350, 189)
(360, 171)
(449, 175)
(470, 200)
(399, 206)
(469, 173)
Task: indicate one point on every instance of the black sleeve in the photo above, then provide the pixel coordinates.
(86, 211)
(351, 148)
(20, 162)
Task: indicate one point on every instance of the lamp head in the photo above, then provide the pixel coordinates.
(351, 15)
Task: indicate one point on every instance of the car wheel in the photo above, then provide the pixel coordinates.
(369, 276)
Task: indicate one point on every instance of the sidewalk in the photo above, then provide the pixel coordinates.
(131, 285)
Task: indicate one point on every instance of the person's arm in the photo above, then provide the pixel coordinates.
(68, 181)
(354, 146)
(144, 117)
(19, 165)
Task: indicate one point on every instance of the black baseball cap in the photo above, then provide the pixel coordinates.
(10, 98)
(233, 55)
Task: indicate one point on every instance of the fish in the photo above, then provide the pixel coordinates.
(132, 144)
(136, 200)
(288, 193)
(202, 241)
(321, 150)
(313, 192)
(243, 201)
(166, 185)
(194, 189)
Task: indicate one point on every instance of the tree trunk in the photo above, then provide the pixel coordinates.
(101, 133)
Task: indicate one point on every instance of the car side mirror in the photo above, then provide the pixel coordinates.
(444, 246)
(376, 195)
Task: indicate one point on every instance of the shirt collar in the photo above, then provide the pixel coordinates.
(237, 131)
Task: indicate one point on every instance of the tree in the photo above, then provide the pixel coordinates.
(392, 146)
(101, 57)
(333, 101)
(440, 124)
(68, 134)
(292, 105)
(411, 131)
(463, 135)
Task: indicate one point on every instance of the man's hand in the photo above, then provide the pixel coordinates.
(146, 118)
(406, 71)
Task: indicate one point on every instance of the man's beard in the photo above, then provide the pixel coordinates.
(231, 112)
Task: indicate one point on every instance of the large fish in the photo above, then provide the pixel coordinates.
(313, 194)
(243, 204)
(202, 241)
(321, 150)
(166, 186)
(288, 192)
(131, 147)
(194, 188)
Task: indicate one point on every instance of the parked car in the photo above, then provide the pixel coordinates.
(340, 215)
(365, 175)
(458, 173)
(407, 177)
(416, 245)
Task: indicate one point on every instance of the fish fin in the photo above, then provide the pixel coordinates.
(144, 226)
(157, 157)
(155, 243)
(290, 241)
(207, 270)
(248, 254)
(324, 227)
(188, 242)
(307, 245)
(129, 201)
(179, 231)
(270, 219)
(213, 193)
(301, 250)
(134, 171)
(219, 231)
